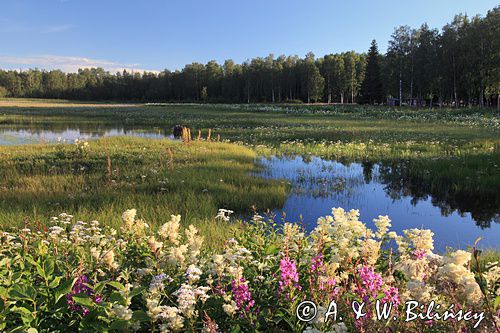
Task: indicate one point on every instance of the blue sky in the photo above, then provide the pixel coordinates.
(156, 34)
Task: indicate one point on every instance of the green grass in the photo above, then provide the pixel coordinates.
(442, 130)
(40, 181)
(452, 154)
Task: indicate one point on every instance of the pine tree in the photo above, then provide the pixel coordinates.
(372, 90)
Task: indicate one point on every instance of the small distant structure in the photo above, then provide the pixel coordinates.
(392, 101)
(405, 101)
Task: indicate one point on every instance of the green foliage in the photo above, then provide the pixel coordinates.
(87, 277)
(372, 90)
(458, 66)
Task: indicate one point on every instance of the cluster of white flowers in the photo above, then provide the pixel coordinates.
(492, 277)
(170, 230)
(343, 232)
(173, 320)
(224, 214)
(416, 239)
(340, 258)
(81, 145)
(383, 223)
(454, 271)
(122, 312)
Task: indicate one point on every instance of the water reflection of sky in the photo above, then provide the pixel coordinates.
(319, 185)
(20, 136)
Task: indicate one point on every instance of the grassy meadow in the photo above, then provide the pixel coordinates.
(132, 266)
(449, 153)
(157, 177)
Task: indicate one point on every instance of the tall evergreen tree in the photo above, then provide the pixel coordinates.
(372, 89)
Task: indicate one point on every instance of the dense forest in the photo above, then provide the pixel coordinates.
(459, 65)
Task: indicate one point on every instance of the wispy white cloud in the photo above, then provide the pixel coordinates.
(56, 28)
(67, 64)
(10, 26)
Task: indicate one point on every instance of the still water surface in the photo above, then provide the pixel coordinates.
(20, 136)
(318, 185)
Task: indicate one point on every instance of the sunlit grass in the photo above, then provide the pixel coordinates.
(40, 181)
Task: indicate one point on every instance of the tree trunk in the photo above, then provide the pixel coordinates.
(455, 83)
(400, 91)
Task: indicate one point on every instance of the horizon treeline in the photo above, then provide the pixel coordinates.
(458, 65)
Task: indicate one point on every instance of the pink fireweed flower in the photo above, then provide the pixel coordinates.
(419, 254)
(81, 287)
(242, 295)
(289, 275)
(391, 296)
(317, 264)
(371, 282)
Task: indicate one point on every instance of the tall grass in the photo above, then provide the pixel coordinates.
(114, 174)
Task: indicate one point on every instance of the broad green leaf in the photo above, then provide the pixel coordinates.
(54, 283)
(137, 291)
(63, 289)
(140, 316)
(119, 325)
(117, 285)
(22, 292)
(118, 298)
(22, 311)
(84, 300)
(48, 266)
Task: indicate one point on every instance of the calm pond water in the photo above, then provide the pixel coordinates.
(318, 185)
(24, 135)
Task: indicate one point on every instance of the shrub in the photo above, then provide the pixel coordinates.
(84, 277)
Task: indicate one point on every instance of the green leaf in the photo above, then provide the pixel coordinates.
(140, 316)
(63, 289)
(119, 325)
(117, 298)
(23, 311)
(117, 285)
(496, 302)
(32, 330)
(40, 270)
(99, 287)
(19, 292)
(136, 291)
(48, 267)
(82, 299)
(271, 249)
(236, 329)
(55, 282)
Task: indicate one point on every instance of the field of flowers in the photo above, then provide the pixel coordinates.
(66, 275)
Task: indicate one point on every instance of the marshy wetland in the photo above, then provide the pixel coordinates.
(436, 169)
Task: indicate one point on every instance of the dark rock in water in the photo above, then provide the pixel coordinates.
(178, 131)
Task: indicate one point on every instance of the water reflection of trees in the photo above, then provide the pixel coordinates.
(420, 181)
